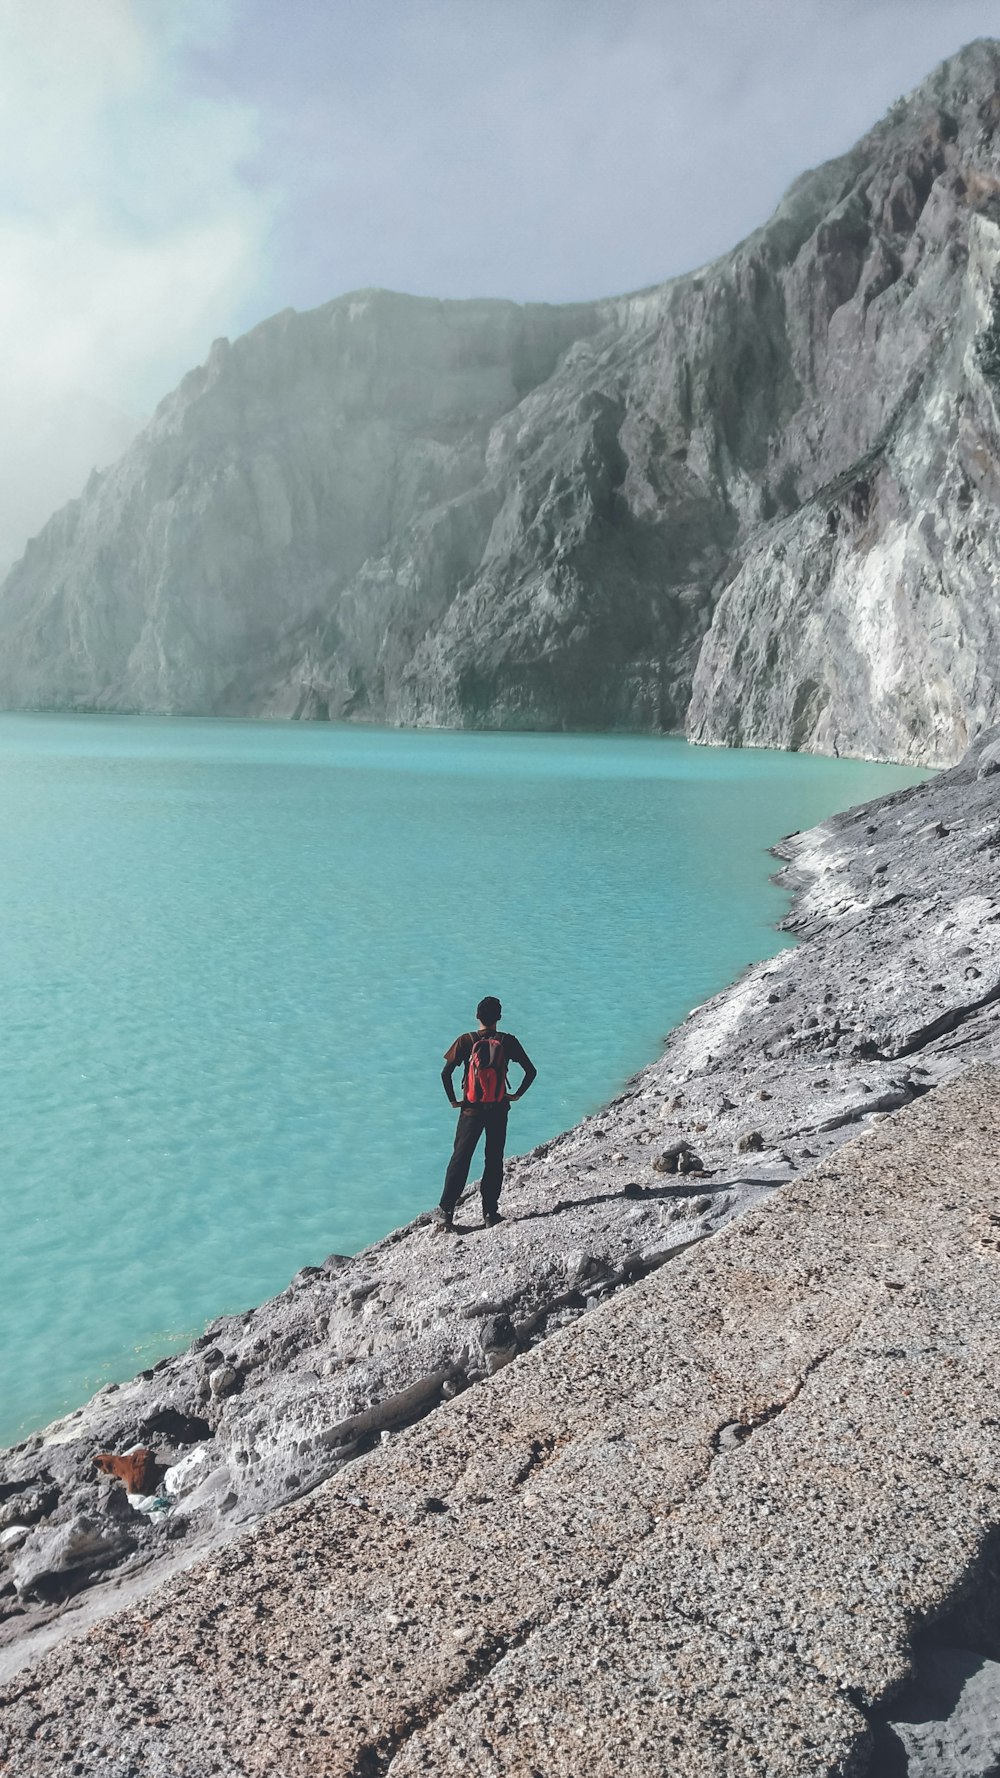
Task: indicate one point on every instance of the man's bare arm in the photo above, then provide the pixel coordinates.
(447, 1081)
(530, 1071)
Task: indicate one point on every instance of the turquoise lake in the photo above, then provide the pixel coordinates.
(233, 953)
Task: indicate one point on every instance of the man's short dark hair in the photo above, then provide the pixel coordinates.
(488, 1011)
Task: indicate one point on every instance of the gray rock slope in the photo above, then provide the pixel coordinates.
(703, 1532)
(773, 481)
(894, 988)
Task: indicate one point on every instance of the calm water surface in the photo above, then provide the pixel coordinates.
(231, 955)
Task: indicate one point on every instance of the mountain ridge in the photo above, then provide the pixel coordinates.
(605, 514)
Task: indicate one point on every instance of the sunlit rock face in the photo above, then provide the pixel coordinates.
(868, 621)
(761, 499)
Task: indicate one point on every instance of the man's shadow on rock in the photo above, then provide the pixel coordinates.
(691, 1188)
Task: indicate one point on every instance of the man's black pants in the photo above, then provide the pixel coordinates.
(472, 1121)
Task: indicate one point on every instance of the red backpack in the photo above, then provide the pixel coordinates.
(486, 1074)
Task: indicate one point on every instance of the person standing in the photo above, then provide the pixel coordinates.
(484, 1057)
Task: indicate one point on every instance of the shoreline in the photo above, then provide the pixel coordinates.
(761, 1082)
(325, 1175)
(382, 725)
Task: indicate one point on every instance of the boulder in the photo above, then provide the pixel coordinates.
(56, 1561)
(989, 760)
(679, 1157)
(224, 1380)
(582, 1268)
(190, 1470)
(498, 1339)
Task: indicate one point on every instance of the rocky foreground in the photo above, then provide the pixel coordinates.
(761, 498)
(894, 989)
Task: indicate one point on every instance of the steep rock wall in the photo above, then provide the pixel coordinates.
(263, 484)
(869, 621)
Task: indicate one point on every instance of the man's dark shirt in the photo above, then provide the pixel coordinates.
(458, 1057)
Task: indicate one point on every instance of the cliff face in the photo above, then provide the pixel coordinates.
(261, 488)
(774, 480)
(869, 620)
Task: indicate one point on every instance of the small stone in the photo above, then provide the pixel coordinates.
(678, 1158)
(497, 1332)
(580, 1267)
(731, 1435)
(223, 1380)
(752, 1142)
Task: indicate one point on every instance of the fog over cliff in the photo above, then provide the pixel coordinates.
(761, 500)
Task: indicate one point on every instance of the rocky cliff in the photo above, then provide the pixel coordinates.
(762, 497)
(868, 620)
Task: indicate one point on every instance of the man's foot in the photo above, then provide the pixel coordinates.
(442, 1223)
(491, 1218)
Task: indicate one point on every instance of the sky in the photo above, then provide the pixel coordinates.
(172, 170)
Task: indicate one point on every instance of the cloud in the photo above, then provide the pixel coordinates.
(129, 234)
(559, 150)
